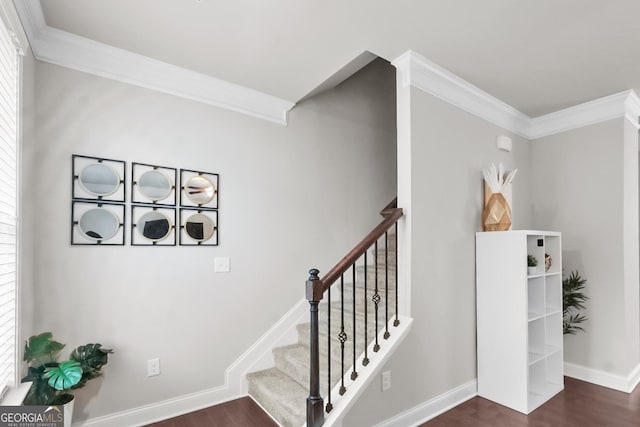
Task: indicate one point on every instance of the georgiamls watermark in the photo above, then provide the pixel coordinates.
(31, 416)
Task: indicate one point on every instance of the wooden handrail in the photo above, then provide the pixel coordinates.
(391, 215)
(315, 289)
(392, 205)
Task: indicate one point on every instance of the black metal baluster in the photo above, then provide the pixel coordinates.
(342, 336)
(354, 374)
(365, 361)
(397, 321)
(329, 406)
(386, 285)
(376, 296)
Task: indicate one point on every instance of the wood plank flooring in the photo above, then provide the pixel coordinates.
(243, 412)
(581, 404)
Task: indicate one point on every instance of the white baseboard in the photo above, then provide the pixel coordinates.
(433, 407)
(234, 387)
(259, 355)
(633, 379)
(159, 411)
(604, 379)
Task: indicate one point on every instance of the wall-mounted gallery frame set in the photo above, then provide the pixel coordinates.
(99, 203)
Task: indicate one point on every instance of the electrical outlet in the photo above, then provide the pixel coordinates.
(153, 367)
(386, 380)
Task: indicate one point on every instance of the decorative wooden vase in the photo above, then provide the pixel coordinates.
(496, 215)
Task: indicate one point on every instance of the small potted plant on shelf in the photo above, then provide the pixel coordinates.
(532, 263)
(52, 380)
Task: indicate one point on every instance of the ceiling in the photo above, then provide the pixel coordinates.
(538, 56)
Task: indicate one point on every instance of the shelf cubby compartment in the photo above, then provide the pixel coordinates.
(554, 368)
(535, 247)
(536, 298)
(537, 383)
(537, 345)
(553, 294)
(553, 331)
(545, 379)
(552, 247)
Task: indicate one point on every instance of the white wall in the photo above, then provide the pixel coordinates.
(290, 199)
(579, 188)
(630, 235)
(448, 150)
(27, 216)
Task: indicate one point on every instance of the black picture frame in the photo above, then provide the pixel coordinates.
(80, 238)
(137, 211)
(186, 202)
(79, 192)
(184, 237)
(139, 198)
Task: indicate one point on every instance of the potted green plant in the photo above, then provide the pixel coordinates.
(532, 262)
(573, 299)
(52, 380)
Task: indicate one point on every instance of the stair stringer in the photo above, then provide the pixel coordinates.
(366, 374)
(260, 354)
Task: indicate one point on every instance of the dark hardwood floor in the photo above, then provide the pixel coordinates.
(581, 404)
(243, 412)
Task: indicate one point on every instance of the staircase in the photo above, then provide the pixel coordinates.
(283, 389)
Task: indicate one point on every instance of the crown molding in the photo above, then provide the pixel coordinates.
(428, 76)
(69, 50)
(632, 108)
(79, 53)
(11, 20)
(425, 75)
(592, 112)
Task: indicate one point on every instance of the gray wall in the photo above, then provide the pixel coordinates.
(583, 183)
(449, 149)
(291, 198)
(578, 183)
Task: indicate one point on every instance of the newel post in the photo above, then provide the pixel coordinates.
(315, 404)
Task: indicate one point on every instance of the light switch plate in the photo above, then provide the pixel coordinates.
(221, 265)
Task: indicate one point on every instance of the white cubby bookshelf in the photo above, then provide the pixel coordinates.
(519, 318)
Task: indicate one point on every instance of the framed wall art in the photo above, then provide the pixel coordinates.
(153, 226)
(198, 227)
(96, 178)
(151, 184)
(97, 223)
(199, 189)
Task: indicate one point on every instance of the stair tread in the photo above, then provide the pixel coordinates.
(283, 389)
(294, 360)
(279, 394)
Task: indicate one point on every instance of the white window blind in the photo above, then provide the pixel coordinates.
(8, 205)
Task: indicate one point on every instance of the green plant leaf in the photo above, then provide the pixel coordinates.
(41, 348)
(92, 357)
(65, 376)
(40, 393)
(573, 299)
(61, 399)
(34, 374)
